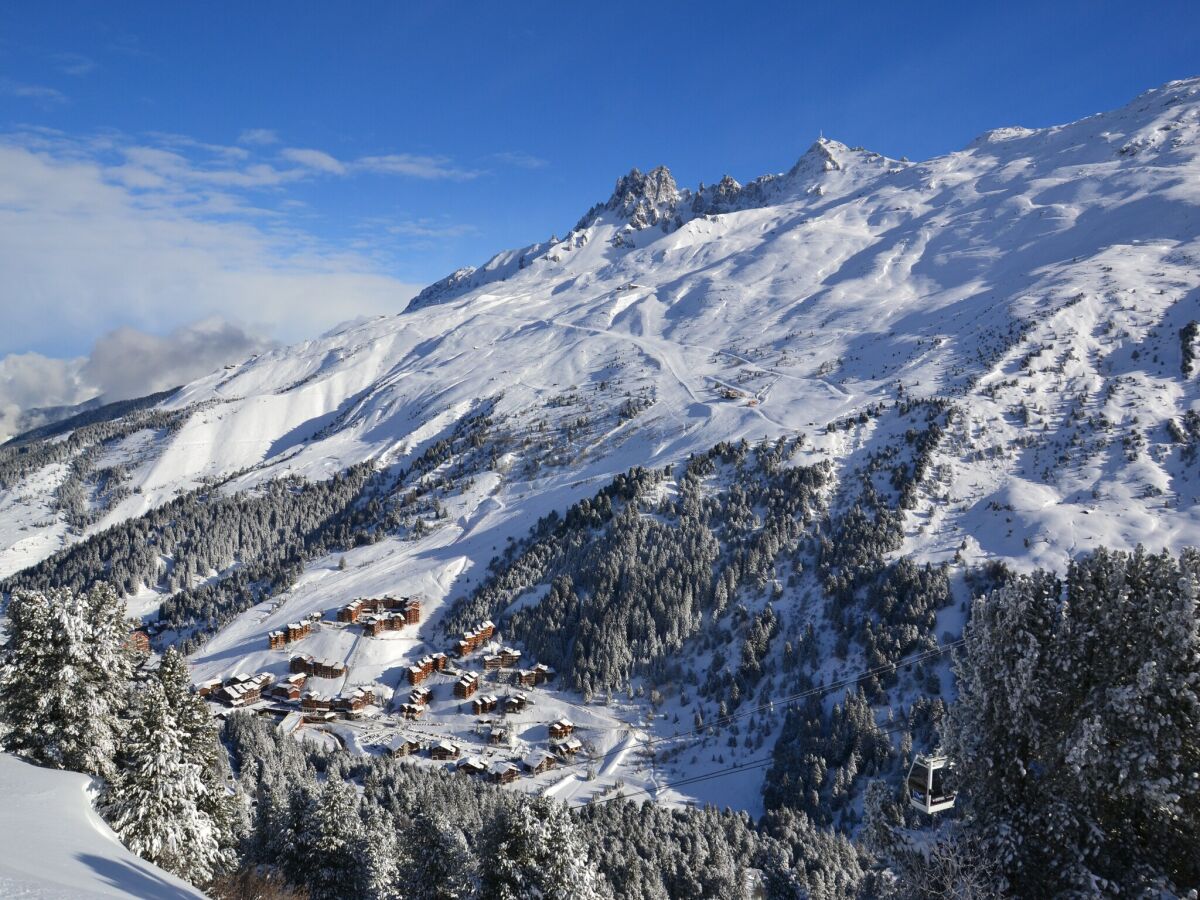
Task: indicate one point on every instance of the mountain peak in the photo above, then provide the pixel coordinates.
(645, 200)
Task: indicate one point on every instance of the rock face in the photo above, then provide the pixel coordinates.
(645, 200)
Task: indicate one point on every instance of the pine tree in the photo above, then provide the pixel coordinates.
(537, 853)
(1075, 730)
(198, 738)
(154, 806)
(62, 687)
(331, 844)
(442, 865)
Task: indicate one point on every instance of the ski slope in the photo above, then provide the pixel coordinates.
(53, 845)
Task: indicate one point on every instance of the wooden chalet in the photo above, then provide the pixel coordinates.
(498, 736)
(466, 685)
(526, 678)
(503, 773)
(412, 711)
(353, 702)
(472, 765)
(316, 668)
(473, 640)
(569, 747)
(491, 662)
(542, 673)
(509, 657)
(276, 640)
(516, 703)
(403, 746)
(562, 728)
(486, 704)
(243, 690)
(443, 750)
(313, 701)
(539, 761)
(420, 670)
(207, 688)
(420, 696)
(138, 642)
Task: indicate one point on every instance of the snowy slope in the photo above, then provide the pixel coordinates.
(1038, 279)
(53, 845)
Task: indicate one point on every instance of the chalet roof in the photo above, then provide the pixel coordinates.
(536, 758)
(445, 745)
(565, 722)
(500, 767)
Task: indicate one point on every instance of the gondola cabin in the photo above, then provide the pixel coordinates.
(928, 788)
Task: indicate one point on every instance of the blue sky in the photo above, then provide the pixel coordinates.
(283, 166)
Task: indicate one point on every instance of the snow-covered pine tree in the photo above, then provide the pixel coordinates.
(329, 850)
(536, 852)
(63, 683)
(154, 806)
(380, 855)
(1075, 730)
(200, 743)
(443, 866)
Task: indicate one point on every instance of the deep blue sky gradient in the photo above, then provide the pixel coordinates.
(589, 89)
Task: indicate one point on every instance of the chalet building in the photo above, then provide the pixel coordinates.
(539, 761)
(491, 662)
(542, 673)
(138, 642)
(560, 729)
(472, 765)
(289, 689)
(516, 703)
(403, 610)
(412, 610)
(375, 625)
(503, 773)
(403, 746)
(498, 736)
(243, 690)
(316, 668)
(421, 670)
(349, 613)
(276, 640)
(443, 750)
(313, 701)
(440, 661)
(354, 702)
(473, 640)
(526, 678)
(206, 688)
(568, 748)
(509, 657)
(412, 711)
(482, 705)
(466, 685)
(420, 696)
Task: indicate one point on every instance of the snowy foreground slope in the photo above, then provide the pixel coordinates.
(53, 845)
(1038, 280)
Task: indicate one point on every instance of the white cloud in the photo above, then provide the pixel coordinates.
(416, 166)
(314, 159)
(258, 137)
(37, 92)
(520, 160)
(124, 363)
(74, 63)
(154, 244)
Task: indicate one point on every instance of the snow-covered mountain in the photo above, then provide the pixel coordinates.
(1040, 282)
